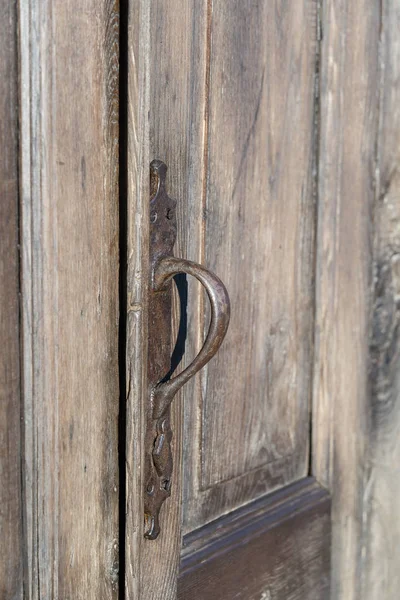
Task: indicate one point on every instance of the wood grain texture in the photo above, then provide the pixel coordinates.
(349, 81)
(381, 539)
(250, 214)
(69, 212)
(170, 60)
(11, 581)
(277, 547)
(138, 196)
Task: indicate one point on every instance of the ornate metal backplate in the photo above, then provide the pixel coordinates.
(158, 467)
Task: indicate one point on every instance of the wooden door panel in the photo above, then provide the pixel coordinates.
(223, 92)
(70, 243)
(257, 231)
(277, 547)
(181, 93)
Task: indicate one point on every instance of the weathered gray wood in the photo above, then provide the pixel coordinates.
(343, 426)
(250, 214)
(349, 83)
(138, 177)
(10, 406)
(69, 227)
(381, 535)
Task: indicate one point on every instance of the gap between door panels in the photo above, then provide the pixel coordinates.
(122, 287)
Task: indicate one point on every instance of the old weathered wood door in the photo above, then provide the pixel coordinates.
(267, 115)
(279, 123)
(231, 92)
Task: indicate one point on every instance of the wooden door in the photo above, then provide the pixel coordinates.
(280, 126)
(267, 115)
(232, 111)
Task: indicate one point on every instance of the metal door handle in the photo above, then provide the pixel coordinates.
(158, 464)
(220, 311)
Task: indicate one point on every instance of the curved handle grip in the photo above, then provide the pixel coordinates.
(220, 314)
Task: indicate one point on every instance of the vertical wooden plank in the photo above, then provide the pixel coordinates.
(69, 187)
(11, 582)
(169, 124)
(138, 179)
(349, 80)
(381, 521)
(194, 249)
(157, 74)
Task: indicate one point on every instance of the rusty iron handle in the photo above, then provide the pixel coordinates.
(158, 465)
(220, 314)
